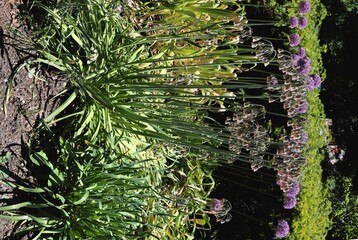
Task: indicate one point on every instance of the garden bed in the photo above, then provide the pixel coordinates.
(127, 119)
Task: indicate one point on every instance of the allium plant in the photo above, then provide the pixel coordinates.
(293, 22)
(304, 7)
(303, 107)
(302, 22)
(313, 81)
(295, 189)
(282, 229)
(304, 137)
(290, 201)
(303, 66)
(294, 39)
(215, 205)
(221, 208)
(295, 58)
(301, 52)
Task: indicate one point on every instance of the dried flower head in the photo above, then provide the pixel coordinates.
(221, 208)
(264, 50)
(215, 205)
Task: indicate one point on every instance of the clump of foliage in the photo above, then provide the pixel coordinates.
(129, 154)
(345, 207)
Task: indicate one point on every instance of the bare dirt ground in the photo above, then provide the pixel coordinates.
(31, 98)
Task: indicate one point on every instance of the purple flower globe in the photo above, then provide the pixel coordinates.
(313, 81)
(304, 66)
(317, 80)
(293, 22)
(302, 22)
(282, 229)
(301, 52)
(304, 7)
(310, 84)
(294, 39)
(304, 138)
(290, 202)
(215, 205)
(295, 189)
(303, 107)
(295, 58)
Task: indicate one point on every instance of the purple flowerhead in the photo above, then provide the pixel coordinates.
(302, 22)
(310, 84)
(215, 205)
(301, 52)
(317, 80)
(293, 22)
(304, 137)
(295, 189)
(294, 39)
(304, 7)
(290, 202)
(313, 81)
(304, 66)
(295, 58)
(282, 229)
(302, 108)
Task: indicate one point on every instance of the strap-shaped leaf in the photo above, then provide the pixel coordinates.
(82, 199)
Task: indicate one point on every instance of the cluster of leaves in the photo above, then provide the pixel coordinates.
(345, 206)
(127, 155)
(130, 152)
(311, 217)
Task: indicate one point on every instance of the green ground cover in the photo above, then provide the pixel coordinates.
(311, 219)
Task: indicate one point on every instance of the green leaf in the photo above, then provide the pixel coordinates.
(82, 199)
(4, 158)
(201, 222)
(212, 11)
(56, 177)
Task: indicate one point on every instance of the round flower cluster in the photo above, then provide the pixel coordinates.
(302, 22)
(290, 202)
(303, 106)
(293, 22)
(301, 52)
(304, 7)
(282, 229)
(295, 189)
(313, 81)
(294, 39)
(303, 66)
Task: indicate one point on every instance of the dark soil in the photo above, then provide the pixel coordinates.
(31, 98)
